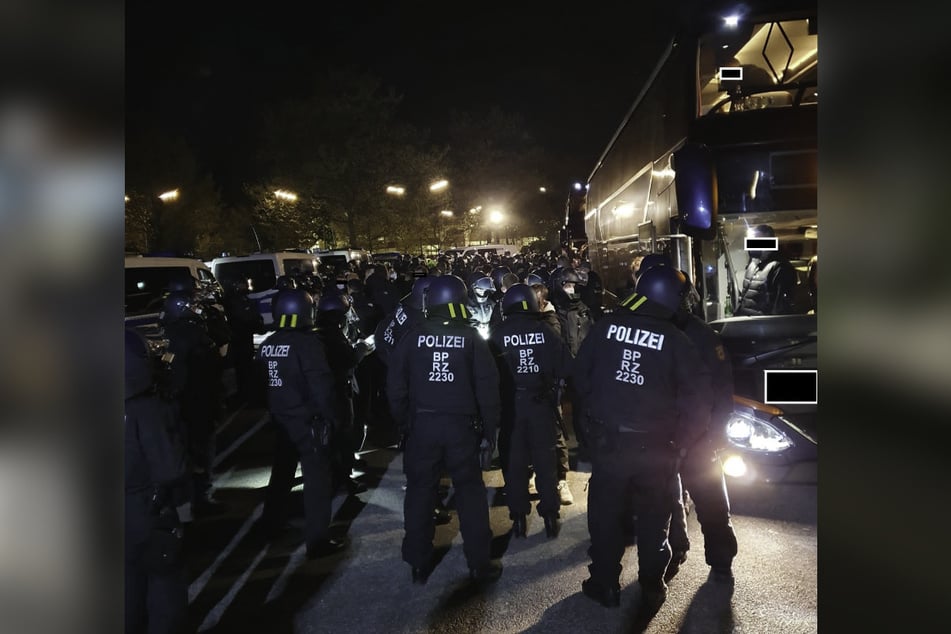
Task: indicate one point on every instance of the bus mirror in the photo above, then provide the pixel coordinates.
(696, 187)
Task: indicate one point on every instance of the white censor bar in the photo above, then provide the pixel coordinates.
(731, 73)
(761, 244)
(791, 387)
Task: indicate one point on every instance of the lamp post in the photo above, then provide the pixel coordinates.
(422, 206)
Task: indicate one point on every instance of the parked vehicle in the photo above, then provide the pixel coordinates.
(486, 249)
(722, 138)
(146, 284)
(261, 270)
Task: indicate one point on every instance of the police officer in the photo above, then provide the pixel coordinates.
(532, 357)
(701, 473)
(443, 388)
(194, 381)
(645, 396)
(343, 357)
(300, 396)
(245, 321)
(156, 589)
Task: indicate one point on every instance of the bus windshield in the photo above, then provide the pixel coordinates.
(758, 65)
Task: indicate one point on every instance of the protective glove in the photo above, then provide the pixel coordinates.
(486, 451)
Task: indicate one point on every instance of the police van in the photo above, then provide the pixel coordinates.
(490, 249)
(261, 271)
(146, 283)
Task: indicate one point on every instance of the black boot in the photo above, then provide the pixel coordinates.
(552, 526)
(519, 526)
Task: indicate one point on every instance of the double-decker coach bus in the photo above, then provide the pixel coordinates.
(722, 138)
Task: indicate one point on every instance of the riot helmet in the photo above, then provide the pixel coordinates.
(534, 278)
(333, 301)
(482, 289)
(446, 297)
(416, 298)
(497, 274)
(177, 306)
(664, 285)
(293, 308)
(519, 298)
(651, 260)
(570, 281)
(286, 282)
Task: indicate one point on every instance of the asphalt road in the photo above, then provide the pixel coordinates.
(240, 583)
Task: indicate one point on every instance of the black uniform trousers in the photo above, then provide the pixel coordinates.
(155, 603)
(626, 476)
(532, 442)
(436, 442)
(702, 477)
(318, 489)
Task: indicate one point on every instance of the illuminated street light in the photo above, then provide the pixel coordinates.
(439, 186)
(285, 195)
(395, 190)
(446, 212)
(127, 199)
(542, 190)
(169, 195)
(496, 217)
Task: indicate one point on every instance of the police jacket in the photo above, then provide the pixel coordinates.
(194, 375)
(769, 286)
(392, 328)
(717, 359)
(342, 359)
(532, 355)
(576, 322)
(443, 366)
(637, 372)
(300, 383)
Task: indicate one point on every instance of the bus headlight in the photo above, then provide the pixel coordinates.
(748, 432)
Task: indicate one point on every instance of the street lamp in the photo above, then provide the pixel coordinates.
(496, 218)
(169, 196)
(283, 194)
(395, 190)
(439, 185)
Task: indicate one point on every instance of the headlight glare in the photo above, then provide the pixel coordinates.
(747, 432)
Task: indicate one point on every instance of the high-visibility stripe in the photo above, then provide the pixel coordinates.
(283, 318)
(294, 321)
(452, 311)
(524, 305)
(637, 303)
(465, 313)
(627, 300)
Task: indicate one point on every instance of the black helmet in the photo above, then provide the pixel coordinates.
(651, 260)
(664, 285)
(534, 278)
(497, 274)
(482, 289)
(416, 298)
(333, 301)
(293, 308)
(138, 364)
(182, 284)
(177, 306)
(519, 298)
(286, 282)
(447, 291)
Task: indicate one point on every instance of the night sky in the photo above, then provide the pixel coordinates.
(572, 71)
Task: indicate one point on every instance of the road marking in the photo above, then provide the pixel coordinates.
(295, 561)
(214, 615)
(199, 584)
(240, 441)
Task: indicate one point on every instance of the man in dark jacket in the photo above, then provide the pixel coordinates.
(769, 284)
(443, 387)
(644, 395)
(245, 321)
(532, 358)
(300, 396)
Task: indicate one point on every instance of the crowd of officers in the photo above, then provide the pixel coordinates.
(468, 363)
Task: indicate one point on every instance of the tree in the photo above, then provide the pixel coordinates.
(341, 147)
